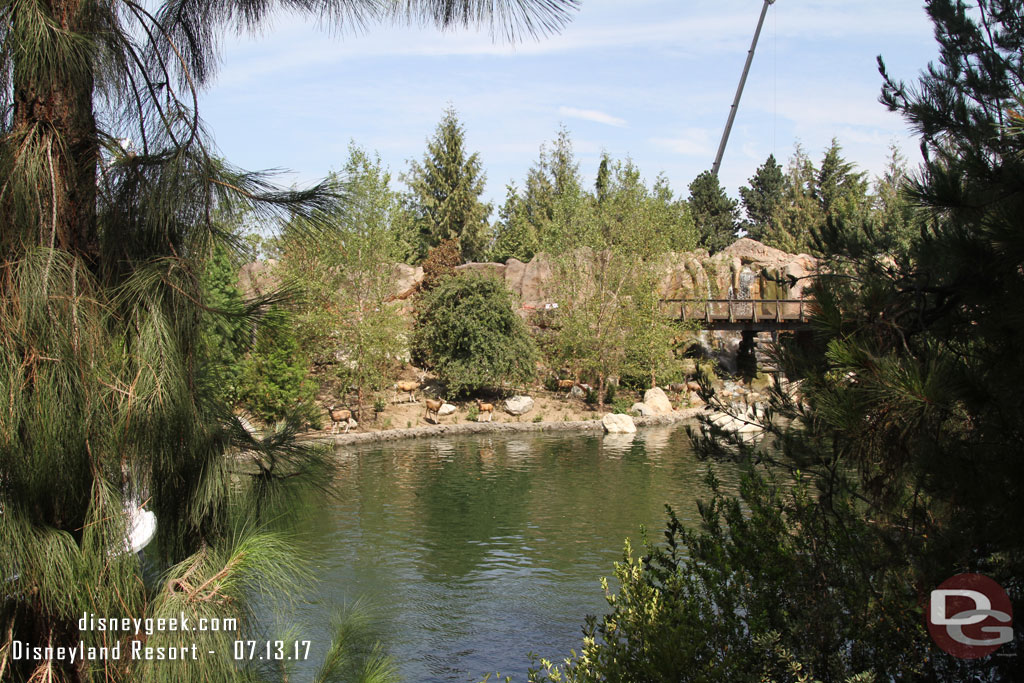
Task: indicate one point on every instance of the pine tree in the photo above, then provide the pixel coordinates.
(109, 192)
(764, 197)
(840, 190)
(714, 213)
(445, 192)
(799, 214)
(554, 201)
(514, 235)
(901, 444)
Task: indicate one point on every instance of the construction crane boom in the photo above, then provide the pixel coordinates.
(739, 90)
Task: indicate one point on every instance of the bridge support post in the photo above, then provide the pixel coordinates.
(746, 361)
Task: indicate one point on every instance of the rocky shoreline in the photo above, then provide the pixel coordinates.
(461, 428)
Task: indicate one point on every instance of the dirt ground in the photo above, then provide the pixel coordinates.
(548, 407)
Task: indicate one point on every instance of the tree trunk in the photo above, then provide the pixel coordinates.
(53, 122)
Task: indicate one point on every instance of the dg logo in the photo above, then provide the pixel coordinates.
(969, 616)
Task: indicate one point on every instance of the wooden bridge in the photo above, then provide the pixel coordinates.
(745, 315)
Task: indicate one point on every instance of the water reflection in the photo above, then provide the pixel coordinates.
(477, 550)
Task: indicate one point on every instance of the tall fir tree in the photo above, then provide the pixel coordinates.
(555, 202)
(514, 235)
(715, 215)
(445, 190)
(799, 213)
(763, 198)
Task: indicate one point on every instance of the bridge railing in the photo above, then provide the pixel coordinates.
(738, 310)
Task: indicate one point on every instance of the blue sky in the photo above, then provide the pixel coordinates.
(652, 79)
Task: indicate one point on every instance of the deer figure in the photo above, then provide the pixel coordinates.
(433, 406)
(484, 409)
(408, 387)
(339, 416)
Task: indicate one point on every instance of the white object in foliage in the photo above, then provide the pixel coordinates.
(141, 527)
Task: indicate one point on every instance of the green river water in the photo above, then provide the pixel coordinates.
(474, 551)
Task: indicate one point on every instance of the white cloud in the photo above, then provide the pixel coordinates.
(691, 142)
(592, 115)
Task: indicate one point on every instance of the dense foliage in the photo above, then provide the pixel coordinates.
(470, 335)
(900, 445)
(342, 267)
(109, 194)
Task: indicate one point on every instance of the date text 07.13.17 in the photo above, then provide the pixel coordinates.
(281, 650)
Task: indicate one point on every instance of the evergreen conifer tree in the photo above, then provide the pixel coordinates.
(714, 213)
(763, 198)
(445, 192)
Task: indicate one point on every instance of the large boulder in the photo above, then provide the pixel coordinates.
(617, 423)
(752, 251)
(656, 399)
(518, 405)
(406, 280)
(258, 278)
(641, 409)
(445, 409)
(514, 271)
(536, 283)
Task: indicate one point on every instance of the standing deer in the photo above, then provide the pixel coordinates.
(407, 387)
(433, 405)
(339, 415)
(484, 409)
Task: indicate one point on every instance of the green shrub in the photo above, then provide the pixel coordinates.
(469, 334)
(551, 384)
(591, 397)
(274, 383)
(473, 413)
(621, 405)
(638, 383)
(609, 393)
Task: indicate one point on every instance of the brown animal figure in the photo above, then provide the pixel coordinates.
(484, 408)
(339, 415)
(407, 387)
(566, 384)
(433, 405)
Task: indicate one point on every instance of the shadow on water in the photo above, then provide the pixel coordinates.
(474, 551)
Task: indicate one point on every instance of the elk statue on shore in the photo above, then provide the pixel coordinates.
(484, 409)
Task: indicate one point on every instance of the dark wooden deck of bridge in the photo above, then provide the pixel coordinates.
(747, 315)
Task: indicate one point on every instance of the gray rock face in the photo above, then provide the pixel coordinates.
(406, 279)
(518, 405)
(657, 400)
(617, 423)
(577, 391)
(258, 278)
(446, 409)
(641, 409)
